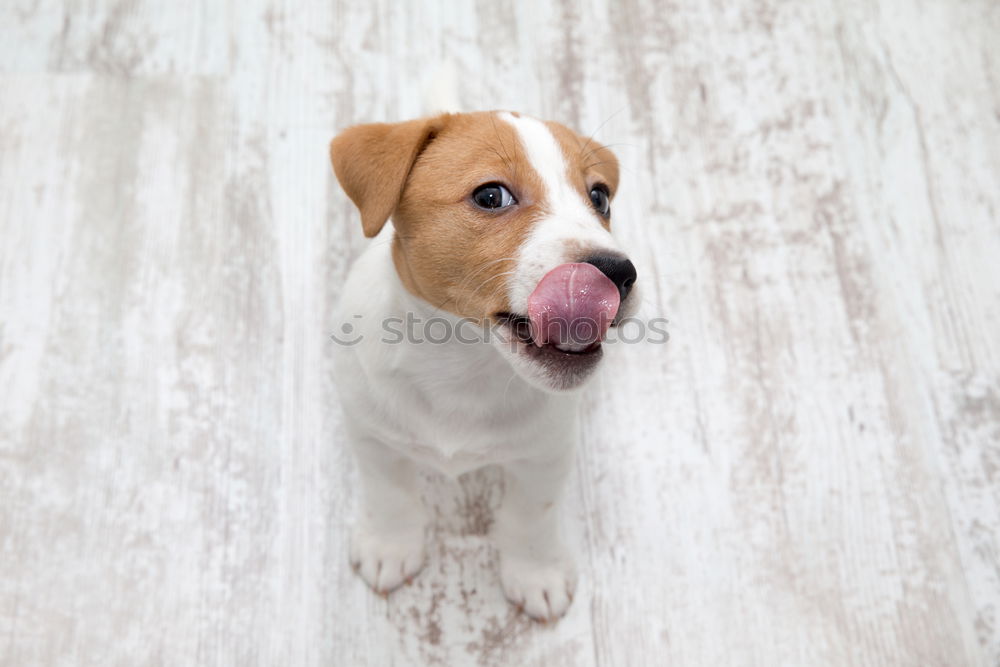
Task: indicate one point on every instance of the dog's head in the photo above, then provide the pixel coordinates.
(503, 219)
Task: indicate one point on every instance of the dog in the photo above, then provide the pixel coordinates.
(501, 238)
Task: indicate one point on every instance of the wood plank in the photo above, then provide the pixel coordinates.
(805, 474)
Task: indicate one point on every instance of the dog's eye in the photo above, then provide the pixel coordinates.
(601, 200)
(493, 196)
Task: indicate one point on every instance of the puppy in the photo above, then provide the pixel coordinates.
(468, 326)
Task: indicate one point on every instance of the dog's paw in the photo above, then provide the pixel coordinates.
(543, 590)
(386, 562)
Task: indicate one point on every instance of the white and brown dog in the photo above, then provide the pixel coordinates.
(501, 227)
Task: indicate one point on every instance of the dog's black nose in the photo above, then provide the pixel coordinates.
(619, 269)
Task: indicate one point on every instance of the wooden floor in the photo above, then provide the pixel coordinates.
(808, 473)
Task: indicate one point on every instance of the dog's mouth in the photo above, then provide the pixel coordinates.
(520, 335)
(568, 315)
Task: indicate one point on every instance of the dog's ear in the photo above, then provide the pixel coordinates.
(372, 163)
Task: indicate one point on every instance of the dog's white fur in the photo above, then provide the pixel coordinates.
(457, 406)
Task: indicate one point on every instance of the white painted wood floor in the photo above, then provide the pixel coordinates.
(807, 474)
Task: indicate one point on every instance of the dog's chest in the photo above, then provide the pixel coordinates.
(456, 411)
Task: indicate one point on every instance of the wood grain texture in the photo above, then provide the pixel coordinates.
(808, 473)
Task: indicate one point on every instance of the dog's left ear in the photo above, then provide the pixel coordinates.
(372, 162)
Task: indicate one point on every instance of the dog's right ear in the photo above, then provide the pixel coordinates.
(372, 163)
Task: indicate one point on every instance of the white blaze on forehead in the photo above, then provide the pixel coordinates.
(570, 224)
(547, 159)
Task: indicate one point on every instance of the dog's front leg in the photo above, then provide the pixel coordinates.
(536, 570)
(387, 547)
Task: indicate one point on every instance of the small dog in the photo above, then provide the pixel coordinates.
(501, 248)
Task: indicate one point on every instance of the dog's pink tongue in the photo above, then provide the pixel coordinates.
(573, 305)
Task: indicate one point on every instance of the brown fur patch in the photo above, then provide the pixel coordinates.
(448, 251)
